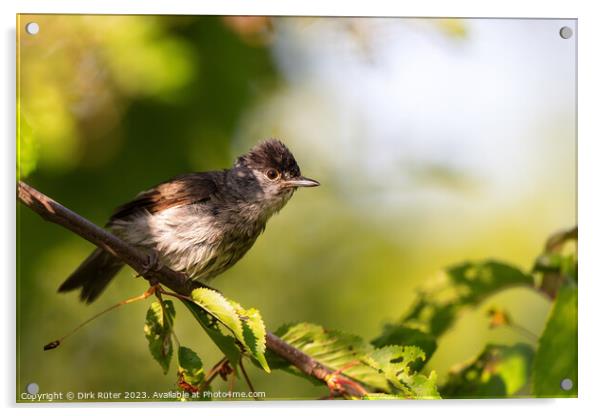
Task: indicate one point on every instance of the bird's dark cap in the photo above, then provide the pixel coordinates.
(271, 153)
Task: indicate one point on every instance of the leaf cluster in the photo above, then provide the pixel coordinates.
(394, 364)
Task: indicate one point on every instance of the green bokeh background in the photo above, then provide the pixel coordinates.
(111, 105)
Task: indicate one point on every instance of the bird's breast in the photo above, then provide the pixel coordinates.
(198, 242)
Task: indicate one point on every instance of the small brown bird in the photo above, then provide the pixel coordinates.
(199, 223)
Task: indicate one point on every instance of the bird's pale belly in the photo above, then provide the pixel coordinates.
(188, 243)
(203, 261)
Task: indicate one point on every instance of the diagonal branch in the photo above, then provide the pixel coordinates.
(54, 212)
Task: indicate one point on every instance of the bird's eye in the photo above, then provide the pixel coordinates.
(272, 174)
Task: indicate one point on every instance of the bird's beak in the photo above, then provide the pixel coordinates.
(302, 182)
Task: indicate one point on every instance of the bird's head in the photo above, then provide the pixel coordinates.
(276, 171)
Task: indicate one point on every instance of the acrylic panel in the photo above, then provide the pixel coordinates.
(295, 208)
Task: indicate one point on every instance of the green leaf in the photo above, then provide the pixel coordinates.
(254, 332)
(395, 363)
(386, 369)
(557, 265)
(226, 343)
(334, 349)
(191, 367)
(158, 329)
(406, 335)
(556, 358)
(499, 371)
(246, 326)
(464, 285)
(220, 308)
(424, 387)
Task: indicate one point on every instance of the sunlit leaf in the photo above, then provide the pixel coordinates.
(406, 335)
(556, 358)
(158, 329)
(386, 369)
(226, 343)
(395, 363)
(220, 308)
(335, 349)
(254, 332)
(499, 371)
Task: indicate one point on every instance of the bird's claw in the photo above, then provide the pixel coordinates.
(151, 264)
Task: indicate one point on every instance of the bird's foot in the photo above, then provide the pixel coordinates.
(151, 264)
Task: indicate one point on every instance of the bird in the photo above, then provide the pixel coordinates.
(199, 223)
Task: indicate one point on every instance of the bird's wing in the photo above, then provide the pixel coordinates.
(185, 189)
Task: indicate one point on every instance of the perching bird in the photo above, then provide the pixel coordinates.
(200, 224)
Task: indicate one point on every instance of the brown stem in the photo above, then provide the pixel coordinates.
(54, 212)
(247, 379)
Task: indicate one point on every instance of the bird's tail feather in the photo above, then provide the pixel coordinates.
(93, 275)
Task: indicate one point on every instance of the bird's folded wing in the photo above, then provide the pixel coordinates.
(185, 189)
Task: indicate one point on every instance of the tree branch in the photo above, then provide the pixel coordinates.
(54, 212)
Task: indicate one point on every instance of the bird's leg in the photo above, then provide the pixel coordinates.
(151, 263)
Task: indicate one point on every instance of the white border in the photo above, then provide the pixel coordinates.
(590, 207)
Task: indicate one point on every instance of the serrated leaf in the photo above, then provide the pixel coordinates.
(424, 387)
(406, 335)
(335, 349)
(191, 367)
(385, 370)
(221, 309)
(226, 343)
(498, 371)
(395, 363)
(556, 358)
(254, 332)
(158, 328)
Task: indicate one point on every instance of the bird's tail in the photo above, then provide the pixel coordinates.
(93, 275)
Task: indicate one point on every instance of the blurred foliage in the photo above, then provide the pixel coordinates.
(27, 151)
(499, 371)
(556, 358)
(460, 286)
(557, 265)
(110, 105)
(77, 75)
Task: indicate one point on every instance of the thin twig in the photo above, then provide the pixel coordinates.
(247, 379)
(56, 213)
(213, 373)
(52, 345)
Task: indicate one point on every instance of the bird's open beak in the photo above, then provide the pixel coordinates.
(302, 182)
